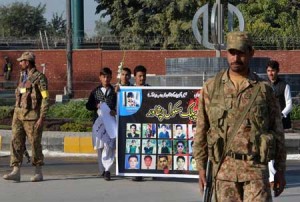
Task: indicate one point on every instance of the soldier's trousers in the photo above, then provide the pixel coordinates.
(7, 75)
(20, 130)
(250, 191)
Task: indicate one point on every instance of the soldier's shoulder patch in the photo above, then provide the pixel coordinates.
(45, 94)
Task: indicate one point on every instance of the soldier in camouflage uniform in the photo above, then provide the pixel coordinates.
(30, 111)
(7, 68)
(240, 171)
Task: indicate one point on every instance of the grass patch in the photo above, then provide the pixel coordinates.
(295, 113)
(5, 127)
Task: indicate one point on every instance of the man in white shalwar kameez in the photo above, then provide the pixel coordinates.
(102, 101)
(104, 138)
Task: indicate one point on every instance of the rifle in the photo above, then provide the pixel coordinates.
(208, 189)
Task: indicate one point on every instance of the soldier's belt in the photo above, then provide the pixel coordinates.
(238, 156)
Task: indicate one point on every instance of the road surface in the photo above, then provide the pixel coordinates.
(76, 179)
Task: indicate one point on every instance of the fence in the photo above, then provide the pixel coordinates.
(272, 42)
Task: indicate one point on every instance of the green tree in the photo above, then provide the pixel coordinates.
(57, 26)
(272, 23)
(102, 28)
(167, 24)
(150, 23)
(22, 20)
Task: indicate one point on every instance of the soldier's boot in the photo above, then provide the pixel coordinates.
(14, 175)
(38, 175)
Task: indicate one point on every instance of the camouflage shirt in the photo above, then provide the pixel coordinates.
(32, 96)
(265, 110)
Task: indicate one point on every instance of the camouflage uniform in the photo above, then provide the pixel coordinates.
(7, 68)
(239, 180)
(31, 104)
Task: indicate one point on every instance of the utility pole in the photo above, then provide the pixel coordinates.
(69, 88)
(219, 28)
(77, 10)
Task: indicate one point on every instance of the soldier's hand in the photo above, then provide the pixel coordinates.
(202, 180)
(279, 183)
(39, 123)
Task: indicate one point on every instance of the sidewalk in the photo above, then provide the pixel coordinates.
(81, 142)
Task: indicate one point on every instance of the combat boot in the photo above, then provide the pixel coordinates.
(14, 175)
(38, 175)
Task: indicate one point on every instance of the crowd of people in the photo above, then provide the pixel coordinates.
(239, 124)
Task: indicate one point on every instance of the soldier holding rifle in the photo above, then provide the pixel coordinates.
(239, 130)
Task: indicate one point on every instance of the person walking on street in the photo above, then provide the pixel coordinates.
(140, 76)
(238, 127)
(283, 94)
(32, 103)
(7, 68)
(102, 140)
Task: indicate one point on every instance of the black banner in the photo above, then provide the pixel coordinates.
(156, 128)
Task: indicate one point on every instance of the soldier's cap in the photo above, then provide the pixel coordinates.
(241, 41)
(27, 56)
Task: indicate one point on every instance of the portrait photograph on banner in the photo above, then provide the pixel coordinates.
(156, 127)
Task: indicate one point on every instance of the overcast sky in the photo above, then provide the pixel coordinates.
(59, 6)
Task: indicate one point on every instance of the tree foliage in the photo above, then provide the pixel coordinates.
(57, 26)
(166, 24)
(274, 24)
(102, 28)
(21, 19)
(144, 23)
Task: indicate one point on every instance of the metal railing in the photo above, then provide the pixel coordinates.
(145, 42)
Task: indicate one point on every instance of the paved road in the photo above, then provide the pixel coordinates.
(75, 179)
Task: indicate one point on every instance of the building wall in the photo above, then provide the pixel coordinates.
(87, 63)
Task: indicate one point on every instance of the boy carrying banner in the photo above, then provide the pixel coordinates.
(102, 101)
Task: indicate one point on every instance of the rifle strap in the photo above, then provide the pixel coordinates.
(242, 117)
(218, 84)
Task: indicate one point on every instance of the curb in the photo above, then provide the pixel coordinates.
(292, 143)
(78, 145)
(81, 142)
(0, 143)
(56, 141)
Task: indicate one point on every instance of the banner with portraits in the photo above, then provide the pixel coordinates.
(156, 127)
